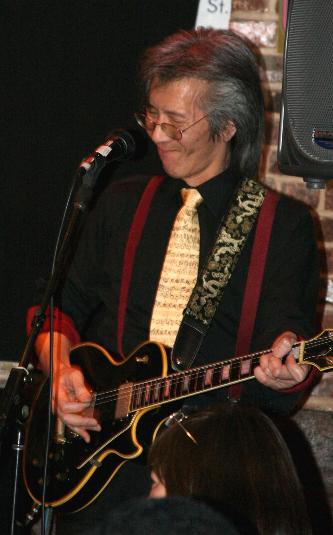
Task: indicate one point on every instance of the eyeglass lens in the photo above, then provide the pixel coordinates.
(169, 129)
(149, 125)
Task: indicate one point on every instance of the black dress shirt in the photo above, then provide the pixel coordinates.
(289, 292)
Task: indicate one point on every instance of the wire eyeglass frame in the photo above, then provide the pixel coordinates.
(169, 129)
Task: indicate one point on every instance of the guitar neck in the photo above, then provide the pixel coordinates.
(195, 381)
(130, 397)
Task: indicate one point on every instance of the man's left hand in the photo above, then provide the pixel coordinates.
(278, 372)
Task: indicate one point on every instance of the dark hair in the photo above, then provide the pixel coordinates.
(240, 462)
(165, 516)
(224, 60)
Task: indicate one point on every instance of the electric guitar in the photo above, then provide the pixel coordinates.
(131, 399)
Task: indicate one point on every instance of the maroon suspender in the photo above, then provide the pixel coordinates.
(134, 236)
(254, 280)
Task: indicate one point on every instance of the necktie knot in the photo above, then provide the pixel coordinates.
(191, 197)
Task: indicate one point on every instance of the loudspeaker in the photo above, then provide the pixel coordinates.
(306, 124)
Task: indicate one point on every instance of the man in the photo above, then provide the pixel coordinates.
(203, 110)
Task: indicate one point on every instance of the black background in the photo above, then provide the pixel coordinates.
(68, 71)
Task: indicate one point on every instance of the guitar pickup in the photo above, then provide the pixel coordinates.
(123, 401)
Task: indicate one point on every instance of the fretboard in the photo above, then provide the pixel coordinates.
(133, 396)
(196, 380)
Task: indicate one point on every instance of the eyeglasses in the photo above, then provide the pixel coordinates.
(177, 418)
(170, 130)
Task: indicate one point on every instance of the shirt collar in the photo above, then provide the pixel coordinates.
(216, 192)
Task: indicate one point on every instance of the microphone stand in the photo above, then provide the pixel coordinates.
(12, 407)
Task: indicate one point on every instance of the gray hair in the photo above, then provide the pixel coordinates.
(224, 60)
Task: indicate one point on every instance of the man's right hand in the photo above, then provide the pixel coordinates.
(71, 401)
(71, 395)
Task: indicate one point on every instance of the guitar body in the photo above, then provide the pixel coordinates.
(131, 400)
(79, 472)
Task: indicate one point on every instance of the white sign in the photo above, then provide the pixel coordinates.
(214, 13)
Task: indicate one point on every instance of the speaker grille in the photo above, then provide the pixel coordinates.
(308, 75)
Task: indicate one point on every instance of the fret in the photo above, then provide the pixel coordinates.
(253, 364)
(142, 396)
(135, 397)
(181, 382)
(235, 371)
(166, 388)
(246, 367)
(200, 380)
(197, 380)
(217, 371)
(176, 389)
(225, 373)
(186, 384)
(155, 392)
(193, 381)
(209, 377)
(146, 394)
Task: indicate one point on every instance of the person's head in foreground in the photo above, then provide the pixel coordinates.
(167, 516)
(233, 457)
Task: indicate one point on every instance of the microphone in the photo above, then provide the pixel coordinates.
(119, 146)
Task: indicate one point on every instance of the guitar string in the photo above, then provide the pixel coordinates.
(161, 382)
(139, 388)
(197, 373)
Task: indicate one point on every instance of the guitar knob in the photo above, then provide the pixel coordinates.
(62, 476)
(35, 462)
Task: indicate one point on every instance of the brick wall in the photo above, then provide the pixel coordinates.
(263, 21)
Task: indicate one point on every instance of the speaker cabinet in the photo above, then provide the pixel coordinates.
(306, 124)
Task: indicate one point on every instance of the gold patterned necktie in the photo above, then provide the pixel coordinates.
(179, 272)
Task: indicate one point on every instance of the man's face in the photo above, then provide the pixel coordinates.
(196, 157)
